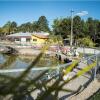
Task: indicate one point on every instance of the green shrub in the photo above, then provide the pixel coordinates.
(86, 42)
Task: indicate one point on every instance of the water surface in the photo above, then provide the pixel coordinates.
(15, 62)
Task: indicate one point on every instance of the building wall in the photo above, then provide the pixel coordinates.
(21, 40)
(37, 41)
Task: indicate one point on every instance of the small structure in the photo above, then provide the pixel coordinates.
(39, 38)
(20, 37)
(66, 41)
(31, 38)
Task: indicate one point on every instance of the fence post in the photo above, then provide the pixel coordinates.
(83, 51)
(58, 70)
(95, 69)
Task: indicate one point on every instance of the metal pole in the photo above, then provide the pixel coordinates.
(71, 37)
(95, 69)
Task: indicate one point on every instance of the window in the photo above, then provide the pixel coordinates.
(34, 39)
(27, 40)
(17, 39)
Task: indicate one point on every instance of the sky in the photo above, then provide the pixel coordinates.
(29, 11)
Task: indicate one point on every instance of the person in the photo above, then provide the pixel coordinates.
(66, 60)
(59, 57)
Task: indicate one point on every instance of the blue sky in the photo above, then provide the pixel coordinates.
(29, 11)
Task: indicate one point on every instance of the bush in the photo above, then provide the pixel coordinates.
(86, 42)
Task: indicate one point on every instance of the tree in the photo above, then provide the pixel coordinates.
(55, 26)
(13, 27)
(43, 24)
(84, 32)
(35, 26)
(26, 27)
(65, 27)
(9, 27)
(40, 25)
(91, 27)
(97, 37)
(86, 42)
(77, 27)
(62, 27)
(1, 32)
(98, 30)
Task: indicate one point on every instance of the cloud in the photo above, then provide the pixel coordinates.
(82, 13)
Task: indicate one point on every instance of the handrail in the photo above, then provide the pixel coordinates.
(33, 69)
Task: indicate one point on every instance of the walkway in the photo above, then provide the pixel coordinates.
(86, 93)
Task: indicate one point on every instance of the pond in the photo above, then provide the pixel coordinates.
(17, 63)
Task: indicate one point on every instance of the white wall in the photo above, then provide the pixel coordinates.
(87, 50)
(23, 39)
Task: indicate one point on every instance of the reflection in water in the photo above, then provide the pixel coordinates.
(8, 61)
(2, 58)
(14, 62)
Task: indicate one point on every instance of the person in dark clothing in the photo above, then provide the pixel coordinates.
(66, 60)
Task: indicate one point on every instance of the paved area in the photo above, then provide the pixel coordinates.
(86, 93)
(28, 51)
(72, 85)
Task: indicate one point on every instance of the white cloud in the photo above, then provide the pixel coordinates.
(82, 13)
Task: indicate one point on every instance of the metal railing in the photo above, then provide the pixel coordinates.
(89, 60)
